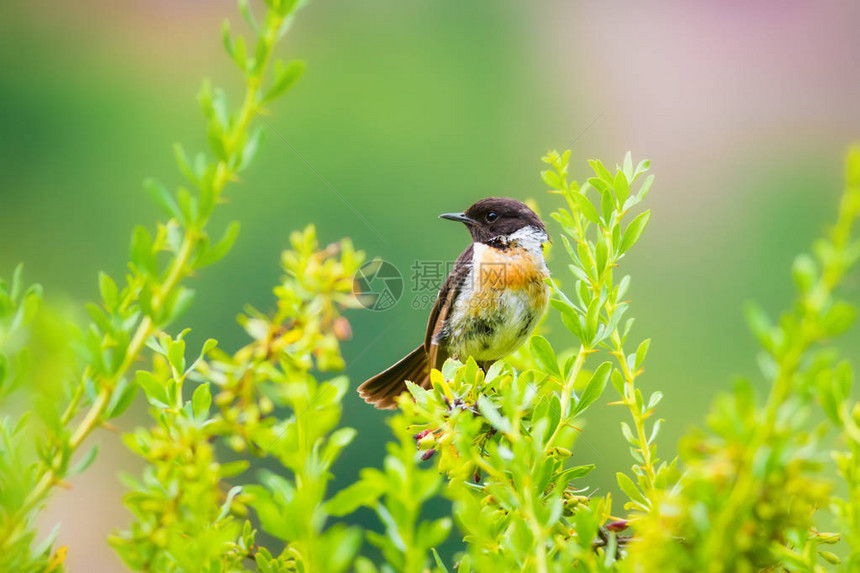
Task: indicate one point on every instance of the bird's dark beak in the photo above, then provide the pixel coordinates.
(461, 217)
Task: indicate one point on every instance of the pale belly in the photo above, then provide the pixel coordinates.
(499, 306)
(496, 325)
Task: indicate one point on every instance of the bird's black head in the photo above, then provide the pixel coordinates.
(496, 216)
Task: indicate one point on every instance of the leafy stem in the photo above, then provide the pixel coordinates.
(637, 412)
(596, 240)
(148, 296)
(815, 316)
(567, 391)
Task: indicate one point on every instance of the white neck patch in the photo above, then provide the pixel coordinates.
(530, 238)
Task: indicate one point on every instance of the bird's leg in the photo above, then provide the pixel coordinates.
(485, 365)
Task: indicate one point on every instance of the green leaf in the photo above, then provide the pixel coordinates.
(601, 170)
(618, 382)
(240, 53)
(838, 318)
(601, 257)
(208, 346)
(643, 166)
(421, 395)
(592, 318)
(249, 151)
(594, 389)
(655, 399)
(544, 355)
(154, 389)
(759, 324)
(285, 77)
(141, 253)
(29, 307)
(628, 487)
(601, 185)
(217, 144)
(85, 462)
(607, 206)
(622, 188)
(628, 434)
(336, 442)
(570, 319)
(201, 400)
(641, 353)
(235, 468)
(654, 431)
(586, 207)
(553, 415)
(438, 561)
(17, 282)
(205, 204)
(552, 179)
(109, 291)
(363, 493)
(627, 167)
(226, 38)
(804, 273)
(634, 231)
(184, 164)
(646, 186)
(177, 303)
(221, 248)
(176, 355)
(164, 199)
(570, 474)
(123, 396)
(248, 16)
(492, 415)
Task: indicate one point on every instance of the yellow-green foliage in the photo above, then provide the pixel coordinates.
(746, 492)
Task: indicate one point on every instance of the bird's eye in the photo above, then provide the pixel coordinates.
(492, 216)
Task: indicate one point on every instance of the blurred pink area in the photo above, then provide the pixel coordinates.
(91, 508)
(684, 83)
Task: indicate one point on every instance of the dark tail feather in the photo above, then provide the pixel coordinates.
(382, 389)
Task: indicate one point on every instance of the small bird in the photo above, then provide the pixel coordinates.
(488, 305)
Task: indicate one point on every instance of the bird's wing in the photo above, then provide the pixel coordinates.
(444, 302)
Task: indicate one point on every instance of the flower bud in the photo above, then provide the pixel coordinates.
(427, 441)
(341, 328)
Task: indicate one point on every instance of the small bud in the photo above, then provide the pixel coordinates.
(159, 538)
(223, 398)
(830, 557)
(239, 509)
(427, 455)
(563, 452)
(427, 441)
(236, 443)
(417, 437)
(619, 525)
(342, 329)
(266, 405)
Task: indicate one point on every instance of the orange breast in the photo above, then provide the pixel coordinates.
(513, 268)
(499, 309)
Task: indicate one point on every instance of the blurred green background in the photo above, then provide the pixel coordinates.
(410, 109)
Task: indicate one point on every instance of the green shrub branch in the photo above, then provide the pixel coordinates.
(152, 298)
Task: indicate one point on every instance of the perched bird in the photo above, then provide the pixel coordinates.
(488, 305)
